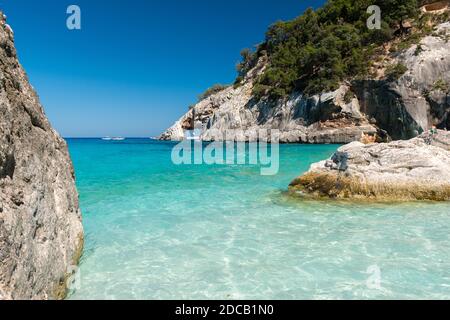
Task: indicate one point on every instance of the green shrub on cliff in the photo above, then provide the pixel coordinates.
(319, 49)
(213, 90)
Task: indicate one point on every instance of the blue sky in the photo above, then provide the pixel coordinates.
(136, 65)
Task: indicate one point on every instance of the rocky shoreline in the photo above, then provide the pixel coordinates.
(417, 169)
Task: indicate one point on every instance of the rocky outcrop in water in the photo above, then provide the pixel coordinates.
(395, 109)
(417, 169)
(325, 118)
(41, 234)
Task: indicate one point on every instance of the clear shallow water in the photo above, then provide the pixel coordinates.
(159, 231)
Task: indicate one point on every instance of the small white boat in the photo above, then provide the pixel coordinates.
(113, 139)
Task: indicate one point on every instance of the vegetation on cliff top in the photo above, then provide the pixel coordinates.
(212, 90)
(319, 49)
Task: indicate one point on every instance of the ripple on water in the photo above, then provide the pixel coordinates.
(159, 231)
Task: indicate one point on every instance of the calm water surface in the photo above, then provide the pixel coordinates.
(159, 231)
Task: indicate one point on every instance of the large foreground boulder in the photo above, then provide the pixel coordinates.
(41, 235)
(417, 169)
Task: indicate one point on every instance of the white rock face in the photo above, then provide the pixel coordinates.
(413, 104)
(41, 235)
(417, 169)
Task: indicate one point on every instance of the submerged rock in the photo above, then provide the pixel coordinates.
(417, 169)
(41, 235)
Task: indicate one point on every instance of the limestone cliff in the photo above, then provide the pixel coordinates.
(420, 98)
(394, 108)
(41, 234)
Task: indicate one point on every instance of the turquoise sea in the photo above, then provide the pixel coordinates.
(155, 230)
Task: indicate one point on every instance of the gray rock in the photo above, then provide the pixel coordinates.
(414, 103)
(41, 234)
(402, 170)
(400, 109)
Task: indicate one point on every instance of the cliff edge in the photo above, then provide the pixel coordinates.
(41, 235)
